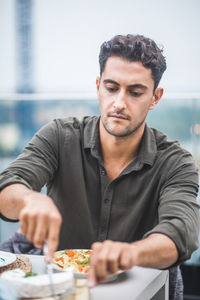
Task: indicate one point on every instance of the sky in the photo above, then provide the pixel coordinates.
(67, 36)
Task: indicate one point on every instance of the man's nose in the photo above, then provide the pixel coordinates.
(120, 101)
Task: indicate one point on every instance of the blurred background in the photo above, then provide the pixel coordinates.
(49, 63)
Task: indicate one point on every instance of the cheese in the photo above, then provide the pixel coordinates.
(39, 285)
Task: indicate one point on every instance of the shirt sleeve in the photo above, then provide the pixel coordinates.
(178, 211)
(37, 163)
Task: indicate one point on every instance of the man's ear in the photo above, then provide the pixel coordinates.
(98, 84)
(156, 97)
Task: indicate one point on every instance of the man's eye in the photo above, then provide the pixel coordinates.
(111, 89)
(135, 94)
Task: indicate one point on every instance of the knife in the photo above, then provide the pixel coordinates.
(49, 271)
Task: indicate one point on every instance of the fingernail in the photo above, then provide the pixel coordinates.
(48, 259)
(91, 283)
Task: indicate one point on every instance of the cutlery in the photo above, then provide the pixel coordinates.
(49, 271)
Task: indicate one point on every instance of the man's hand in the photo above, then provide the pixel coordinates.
(155, 251)
(109, 257)
(39, 218)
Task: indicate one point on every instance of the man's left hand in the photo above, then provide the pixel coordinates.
(108, 258)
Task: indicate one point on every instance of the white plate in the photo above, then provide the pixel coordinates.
(78, 275)
(6, 258)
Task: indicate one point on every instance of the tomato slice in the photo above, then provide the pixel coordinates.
(70, 253)
(60, 259)
(86, 270)
(80, 268)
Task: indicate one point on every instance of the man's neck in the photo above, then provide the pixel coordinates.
(119, 152)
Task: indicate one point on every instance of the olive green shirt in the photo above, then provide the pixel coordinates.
(154, 193)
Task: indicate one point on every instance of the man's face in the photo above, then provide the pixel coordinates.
(126, 94)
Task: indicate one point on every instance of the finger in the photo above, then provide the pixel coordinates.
(27, 224)
(125, 262)
(100, 260)
(47, 257)
(92, 280)
(53, 233)
(94, 260)
(95, 249)
(31, 227)
(114, 258)
(96, 246)
(40, 231)
(23, 225)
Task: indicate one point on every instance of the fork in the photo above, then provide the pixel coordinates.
(49, 271)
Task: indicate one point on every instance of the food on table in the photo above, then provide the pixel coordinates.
(29, 274)
(37, 286)
(75, 259)
(22, 262)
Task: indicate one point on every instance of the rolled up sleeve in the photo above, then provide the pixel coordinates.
(178, 211)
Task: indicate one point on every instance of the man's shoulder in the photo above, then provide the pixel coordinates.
(162, 140)
(68, 127)
(170, 149)
(75, 122)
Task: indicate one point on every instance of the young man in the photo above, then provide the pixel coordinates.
(113, 184)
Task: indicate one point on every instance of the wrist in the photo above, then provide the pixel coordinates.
(26, 196)
(135, 251)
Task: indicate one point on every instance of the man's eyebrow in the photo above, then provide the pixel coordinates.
(111, 81)
(131, 86)
(138, 85)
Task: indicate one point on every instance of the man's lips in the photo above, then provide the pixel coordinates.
(121, 117)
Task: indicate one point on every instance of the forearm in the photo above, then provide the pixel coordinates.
(12, 200)
(155, 251)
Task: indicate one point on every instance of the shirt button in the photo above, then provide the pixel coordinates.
(106, 200)
(102, 237)
(102, 172)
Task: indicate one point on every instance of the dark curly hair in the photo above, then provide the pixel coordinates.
(135, 48)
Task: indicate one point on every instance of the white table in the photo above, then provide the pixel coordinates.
(138, 284)
(135, 284)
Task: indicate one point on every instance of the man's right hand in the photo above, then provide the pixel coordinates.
(39, 218)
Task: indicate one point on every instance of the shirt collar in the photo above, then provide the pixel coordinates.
(91, 133)
(148, 147)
